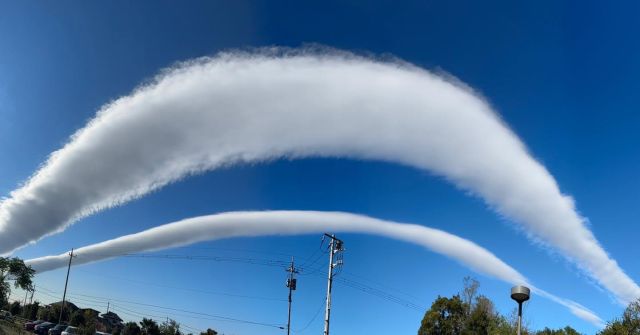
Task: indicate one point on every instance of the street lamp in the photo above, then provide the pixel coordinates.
(520, 294)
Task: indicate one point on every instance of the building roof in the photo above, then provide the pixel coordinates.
(67, 304)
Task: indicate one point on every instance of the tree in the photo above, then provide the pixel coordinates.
(170, 327)
(130, 328)
(473, 314)
(30, 311)
(77, 319)
(615, 328)
(445, 317)
(149, 327)
(481, 318)
(469, 290)
(15, 308)
(631, 317)
(44, 313)
(628, 325)
(564, 331)
(209, 332)
(15, 269)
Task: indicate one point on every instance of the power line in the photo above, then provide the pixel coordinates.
(220, 317)
(146, 283)
(372, 291)
(277, 263)
(315, 315)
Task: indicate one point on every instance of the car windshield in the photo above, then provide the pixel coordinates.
(71, 330)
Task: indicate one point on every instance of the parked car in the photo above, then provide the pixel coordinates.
(70, 331)
(102, 333)
(58, 329)
(43, 328)
(6, 315)
(32, 324)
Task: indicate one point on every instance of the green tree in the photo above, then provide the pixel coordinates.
(209, 332)
(615, 328)
(15, 269)
(563, 331)
(15, 308)
(170, 327)
(631, 317)
(628, 325)
(445, 317)
(30, 311)
(77, 319)
(130, 328)
(149, 327)
(44, 313)
(482, 317)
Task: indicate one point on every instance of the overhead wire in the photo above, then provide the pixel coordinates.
(184, 288)
(220, 317)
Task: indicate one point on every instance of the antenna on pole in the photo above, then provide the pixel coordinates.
(336, 248)
(291, 284)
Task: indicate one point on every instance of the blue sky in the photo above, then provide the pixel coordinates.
(562, 76)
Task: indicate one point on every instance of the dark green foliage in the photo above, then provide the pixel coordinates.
(564, 331)
(474, 314)
(30, 311)
(15, 269)
(15, 308)
(445, 317)
(130, 328)
(170, 327)
(77, 319)
(88, 329)
(44, 313)
(481, 318)
(615, 328)
(149, 327)
(209, 332)
(628, 325)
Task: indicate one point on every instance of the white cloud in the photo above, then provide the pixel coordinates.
(243, 224)
(238, 108)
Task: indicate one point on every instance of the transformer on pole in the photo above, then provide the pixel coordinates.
(291, 284)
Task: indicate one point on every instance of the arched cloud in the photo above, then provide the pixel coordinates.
(243, 224)
(249, 107)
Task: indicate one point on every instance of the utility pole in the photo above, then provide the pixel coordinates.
(335, 248)
(291, 284)
(64, 295)
(108, 303)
